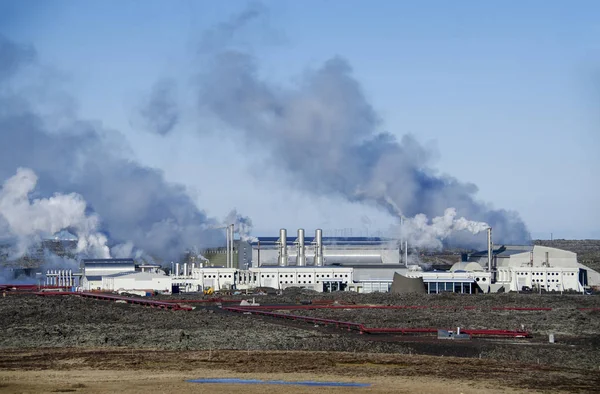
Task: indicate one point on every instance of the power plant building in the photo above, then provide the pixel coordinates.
(328, 264)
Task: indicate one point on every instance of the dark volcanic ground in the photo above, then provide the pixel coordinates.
(69, 321)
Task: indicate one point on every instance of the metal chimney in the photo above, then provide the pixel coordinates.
(318, 247)
(227, 246)
(301, 259)
(490, 249)
(283, 254)
(232, 226)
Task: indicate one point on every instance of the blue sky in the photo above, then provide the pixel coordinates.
(508, 93)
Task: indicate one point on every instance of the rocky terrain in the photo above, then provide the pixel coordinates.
(30, 321)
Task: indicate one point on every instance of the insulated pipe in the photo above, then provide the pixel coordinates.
(301, 259)
(319, 248)
(283, 254)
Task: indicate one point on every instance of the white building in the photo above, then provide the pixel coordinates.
(92, 271)
(534, 267)
(327, 278)
(148, 281)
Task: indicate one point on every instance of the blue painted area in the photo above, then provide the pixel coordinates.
(264, 241)
(280, 382)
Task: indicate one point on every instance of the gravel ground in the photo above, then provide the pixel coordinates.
(69, 321)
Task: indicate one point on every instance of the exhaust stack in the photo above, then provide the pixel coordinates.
(283, 254)
(318, 248)
(301, 255)
(231, 235)
(490, 249)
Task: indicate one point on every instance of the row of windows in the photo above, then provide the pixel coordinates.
(542, 273)
(281, 282)
(273, 276)
(304, 276)
(548, 280)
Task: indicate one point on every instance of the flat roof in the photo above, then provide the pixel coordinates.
(328, 240)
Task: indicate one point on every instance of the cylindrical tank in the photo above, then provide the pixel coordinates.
(301, 259)
(283, 255)
(319, 247)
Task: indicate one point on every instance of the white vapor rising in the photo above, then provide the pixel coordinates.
(424, 234)
(70, 154)
(323, 136)
(242, 225)
(29, 221)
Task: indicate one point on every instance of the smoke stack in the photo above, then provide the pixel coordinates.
(283, 254)
(318, 248)
(490, 249)
(232, 230)
(301, 259)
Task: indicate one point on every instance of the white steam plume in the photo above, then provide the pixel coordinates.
(421, 233)
(242, 224)
(26, 222)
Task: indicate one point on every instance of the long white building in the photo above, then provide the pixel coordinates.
(345, 264)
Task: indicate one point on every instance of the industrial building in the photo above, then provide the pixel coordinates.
(369, 264)
(328, 264)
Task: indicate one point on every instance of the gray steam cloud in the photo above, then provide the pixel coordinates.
(325, 135)
(222, 34)
(242, 225)
(13, 57)
(161, 113)
(134, 203)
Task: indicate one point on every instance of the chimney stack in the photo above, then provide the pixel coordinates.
(301, 256)
(490, 249)
(318, 248)
(283, 254)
